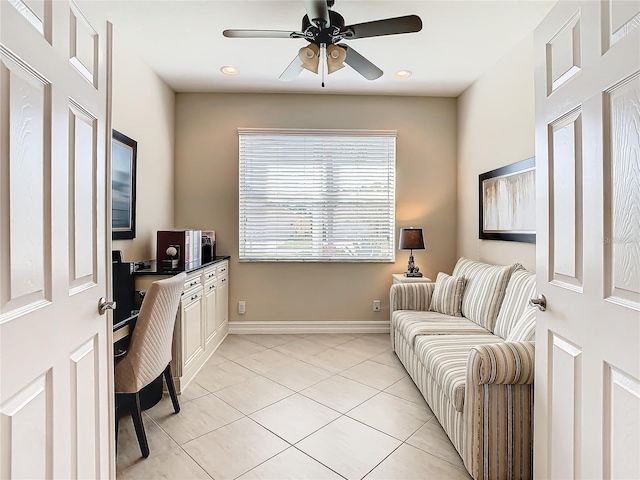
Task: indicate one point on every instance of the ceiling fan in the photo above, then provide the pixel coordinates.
(324, 28)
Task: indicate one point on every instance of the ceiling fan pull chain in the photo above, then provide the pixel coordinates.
(323, 59)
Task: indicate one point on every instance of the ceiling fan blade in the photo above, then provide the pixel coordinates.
(293, 70)
(360, 64)
(317, 10)
(389, 26)
(261, 34)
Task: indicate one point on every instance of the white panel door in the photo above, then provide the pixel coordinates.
(55, 349)
(587, 386)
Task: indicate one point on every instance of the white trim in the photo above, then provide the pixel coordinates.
(310, 326)
(317, 132)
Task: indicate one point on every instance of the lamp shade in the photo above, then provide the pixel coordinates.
(309, 57)
(411, 239)
(335, 58)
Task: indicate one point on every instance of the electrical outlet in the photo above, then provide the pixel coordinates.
(376, 305)
(242, 307)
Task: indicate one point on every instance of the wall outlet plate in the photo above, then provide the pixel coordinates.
(376, 305)
(242, 307)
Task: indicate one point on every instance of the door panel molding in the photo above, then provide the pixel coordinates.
(564, 54)
(565, 362)
(622, 192)
(565, 201)
(83, 261)
(31, 451)
(618, 20)
(25, 240)
(37, 14)
(84, 395)
(83, 45)
(621, 413)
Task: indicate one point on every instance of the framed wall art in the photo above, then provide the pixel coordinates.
(124, 151)
(508, 203)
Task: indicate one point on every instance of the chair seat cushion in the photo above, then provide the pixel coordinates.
(411, 323)
(445, 357)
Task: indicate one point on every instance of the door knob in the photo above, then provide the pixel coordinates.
(540, 302)
(103, 306)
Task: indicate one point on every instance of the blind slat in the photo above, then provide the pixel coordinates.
(317, 196)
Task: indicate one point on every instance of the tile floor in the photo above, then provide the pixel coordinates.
(317, 406)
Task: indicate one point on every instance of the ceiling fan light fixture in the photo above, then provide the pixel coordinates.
(309, 57)
(230, 70)
(403, 74)
(335, 58)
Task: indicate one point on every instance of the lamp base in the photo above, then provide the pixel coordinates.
(410, 274)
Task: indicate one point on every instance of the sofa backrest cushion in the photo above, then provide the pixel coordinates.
(447, 295)
(520, 289)
(524, 329)
(484, 290)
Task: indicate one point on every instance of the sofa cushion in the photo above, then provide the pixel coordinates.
(411, 323)
(520, 289)
(524, 329)
(445, 357)
(484, 290)
(447, 295)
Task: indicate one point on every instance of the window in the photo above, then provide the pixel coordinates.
(317, 195)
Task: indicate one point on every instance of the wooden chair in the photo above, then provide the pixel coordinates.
(149, 353)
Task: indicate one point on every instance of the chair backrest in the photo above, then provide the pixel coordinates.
(149, 352)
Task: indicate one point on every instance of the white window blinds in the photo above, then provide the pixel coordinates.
(320, 195)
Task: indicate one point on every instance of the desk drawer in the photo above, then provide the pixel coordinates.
(192, 282)
(209, 274)
(191, 295)
(223, 269)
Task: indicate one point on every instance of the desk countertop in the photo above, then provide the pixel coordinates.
(153, 270)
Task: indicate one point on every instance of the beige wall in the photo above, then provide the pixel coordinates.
(144, 109)
(206, 176)
(496, 121)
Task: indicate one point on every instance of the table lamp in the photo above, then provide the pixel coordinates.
(411, 239)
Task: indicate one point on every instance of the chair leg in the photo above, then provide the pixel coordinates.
(136, 415)
(172, 388)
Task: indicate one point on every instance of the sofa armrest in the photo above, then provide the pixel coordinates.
(498, 411)
(410, 296)
(509, 363)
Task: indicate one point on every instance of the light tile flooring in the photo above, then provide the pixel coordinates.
(317, 406)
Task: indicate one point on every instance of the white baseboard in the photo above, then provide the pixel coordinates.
(310, 326)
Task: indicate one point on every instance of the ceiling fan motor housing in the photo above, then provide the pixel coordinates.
(325, 35)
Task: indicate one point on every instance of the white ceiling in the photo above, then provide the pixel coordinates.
(182, 42)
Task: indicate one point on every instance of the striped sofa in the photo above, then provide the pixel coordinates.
(476, 370)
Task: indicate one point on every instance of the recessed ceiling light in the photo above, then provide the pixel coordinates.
(403, 74)
(230, 70)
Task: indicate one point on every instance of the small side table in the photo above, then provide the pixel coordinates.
(400, 278)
